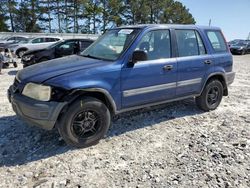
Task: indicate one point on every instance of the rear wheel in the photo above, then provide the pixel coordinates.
(85, 122)
(211, 96)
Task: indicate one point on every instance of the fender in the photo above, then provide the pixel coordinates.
(100, 90)
(222, 74)
(22, 48)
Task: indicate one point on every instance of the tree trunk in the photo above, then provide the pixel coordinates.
(66, 15)
(49, 16)
(76, 27)
(58, 16)
(11, 16)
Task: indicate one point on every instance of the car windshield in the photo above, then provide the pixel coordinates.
(240, 43)
(112, 44)
(54, 44)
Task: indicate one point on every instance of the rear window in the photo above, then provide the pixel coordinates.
(217, 41)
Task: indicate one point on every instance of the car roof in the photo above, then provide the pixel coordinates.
(47, 37)
(173, 26)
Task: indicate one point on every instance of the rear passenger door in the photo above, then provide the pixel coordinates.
(193, 62)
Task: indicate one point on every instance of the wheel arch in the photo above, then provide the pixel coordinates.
(20, 49)
(98, 93)
(219, 76)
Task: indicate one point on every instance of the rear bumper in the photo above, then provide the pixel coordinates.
(230, 77)
(34, 112)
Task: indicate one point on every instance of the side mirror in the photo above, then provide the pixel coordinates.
(139, 55)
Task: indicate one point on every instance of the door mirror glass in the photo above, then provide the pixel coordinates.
(139, 55)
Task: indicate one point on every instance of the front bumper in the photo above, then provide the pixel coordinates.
(230, 77)
(28, 63)
(34, 112)
(236, 51)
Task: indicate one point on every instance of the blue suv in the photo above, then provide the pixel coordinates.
(127, 68)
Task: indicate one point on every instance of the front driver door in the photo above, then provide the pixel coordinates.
(152, 80)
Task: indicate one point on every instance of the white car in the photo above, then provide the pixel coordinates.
(13, 39)
(33, 44)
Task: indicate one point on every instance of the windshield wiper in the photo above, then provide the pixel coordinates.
(94, 57)
(90, 56)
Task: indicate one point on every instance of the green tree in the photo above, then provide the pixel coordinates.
(3, 19)
(92, 15)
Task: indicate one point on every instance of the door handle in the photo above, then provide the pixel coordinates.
(208, 62)
(168, 67)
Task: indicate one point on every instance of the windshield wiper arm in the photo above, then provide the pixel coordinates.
(90, 56)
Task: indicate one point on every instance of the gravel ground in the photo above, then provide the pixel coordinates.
(172, 145)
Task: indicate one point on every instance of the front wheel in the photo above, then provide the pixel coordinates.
(20, 53)
(211, 96)
(85, 122)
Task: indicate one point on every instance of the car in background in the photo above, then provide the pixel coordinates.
(232, 42)
(12, 40)
(240, 47)
(33, 44)
(59, 49)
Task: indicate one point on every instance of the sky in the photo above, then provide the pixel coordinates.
(232, 16)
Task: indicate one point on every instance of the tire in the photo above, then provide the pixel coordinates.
(20, 53)
(211, 96)
(243, 52)
(85, 114)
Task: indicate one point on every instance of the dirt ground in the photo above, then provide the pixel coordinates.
(172, 145)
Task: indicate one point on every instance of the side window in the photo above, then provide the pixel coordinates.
(189, 43)
(68, 45)
(156, 44)
(84, 44)
(37, 40)
(50, 40)
(217, 41)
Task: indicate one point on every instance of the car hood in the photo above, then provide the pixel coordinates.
(44, 71)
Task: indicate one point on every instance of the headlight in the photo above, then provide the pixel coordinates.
(37, 91)
(27, 57)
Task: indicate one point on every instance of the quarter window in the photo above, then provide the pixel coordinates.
(217, 41)
(189, 43)
(202, 49)
(156, 44)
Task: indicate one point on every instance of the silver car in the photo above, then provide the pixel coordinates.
(33, 44)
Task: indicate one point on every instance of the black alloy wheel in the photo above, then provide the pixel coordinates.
(211, 96)
(85, 122)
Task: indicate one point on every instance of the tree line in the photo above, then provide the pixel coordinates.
(87, 16)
